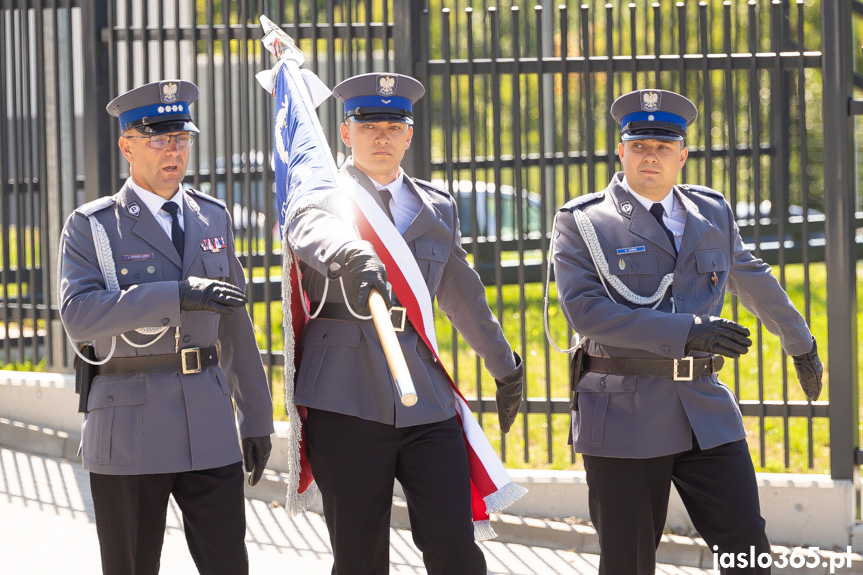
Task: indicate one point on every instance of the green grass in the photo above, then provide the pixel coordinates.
(547, 376)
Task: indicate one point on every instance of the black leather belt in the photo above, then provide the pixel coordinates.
(677, 369)
(193, 360)
(333, 310)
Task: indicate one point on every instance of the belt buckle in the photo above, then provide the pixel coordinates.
(398, 324)
(194, 352)
(688, 359)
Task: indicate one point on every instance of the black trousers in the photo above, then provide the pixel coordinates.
(354, 462)
(628, 500)
(131, 512)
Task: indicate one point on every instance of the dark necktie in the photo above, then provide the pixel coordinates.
(386, 196)
(178, 238)
(657, 211)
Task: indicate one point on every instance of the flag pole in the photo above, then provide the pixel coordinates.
(279, 43)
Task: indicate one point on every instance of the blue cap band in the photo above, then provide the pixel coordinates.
(395, 102)
(654, 117)
(153, 111)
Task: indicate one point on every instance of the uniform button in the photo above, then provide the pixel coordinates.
(110, 399)
(679, 269)
(602, 383)
(635, 266)
(434, 251)
(325, 336)
(714, 264)
(665, 348)
(136, 275)
(166, 321)
(220, 267)
(186, 338)
(680, 298)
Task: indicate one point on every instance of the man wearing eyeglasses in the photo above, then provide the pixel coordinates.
(149, 275)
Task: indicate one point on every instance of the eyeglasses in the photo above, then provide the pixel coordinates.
(161, 142)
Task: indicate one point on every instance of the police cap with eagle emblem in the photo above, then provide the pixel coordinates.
(156, 108)
(653, 115)
(379, 97)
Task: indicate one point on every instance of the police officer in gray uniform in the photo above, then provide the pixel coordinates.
(150, 276)
(359, 435)
(641, 269)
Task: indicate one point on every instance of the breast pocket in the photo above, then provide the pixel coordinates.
(631, 268)
(712, 270)
(216, 265)
(114, 430)
(329, 350)
(431, 255)
(139, 272)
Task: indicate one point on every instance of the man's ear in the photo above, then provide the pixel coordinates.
(684, 153)
(346, 136)
(620, 150)
(410, 136)
(125, 146)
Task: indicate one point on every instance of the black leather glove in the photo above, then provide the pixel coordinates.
(256, 452)
(508, 395)
(717, 335)
(809, 371)
(202, 294)
(362, 271)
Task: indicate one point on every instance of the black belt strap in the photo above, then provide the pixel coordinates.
(193, 360)
(334, 310)
(677, 369)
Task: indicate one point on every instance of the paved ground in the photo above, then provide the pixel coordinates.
(46, 527)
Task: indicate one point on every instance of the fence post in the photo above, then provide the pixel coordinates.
(839, 205)
(411, 48)
(97, 91)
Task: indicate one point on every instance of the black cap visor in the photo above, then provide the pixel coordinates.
(652, 131)
(178, 123)
(371, 115)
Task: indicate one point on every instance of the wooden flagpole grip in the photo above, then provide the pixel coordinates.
(392, 349)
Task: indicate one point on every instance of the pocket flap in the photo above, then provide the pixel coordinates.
(643, 263)
(216, 265)
(126, 392)
(431, 249)
(707, 261)
(604, 383)
(332, 332)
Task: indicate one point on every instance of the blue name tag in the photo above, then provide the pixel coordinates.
(632, 250)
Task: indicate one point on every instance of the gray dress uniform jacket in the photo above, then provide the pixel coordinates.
(160, 422)
(640, 416)
(343, 368)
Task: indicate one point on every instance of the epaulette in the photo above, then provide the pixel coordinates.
(91, 208)
(430, 187)
(702, 190)
(582, 201)
(207, 197)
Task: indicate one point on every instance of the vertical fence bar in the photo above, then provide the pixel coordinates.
(589, 142)
(804, 194)
(707, 92)
(517, 194)
(839, 206)
(731, 146)
(610, 135)
(543, 222)
(6, 24)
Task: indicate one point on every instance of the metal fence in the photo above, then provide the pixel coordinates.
(514, 123)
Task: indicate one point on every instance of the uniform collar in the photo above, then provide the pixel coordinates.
(395, 187)
(667, 202)
(154, 202)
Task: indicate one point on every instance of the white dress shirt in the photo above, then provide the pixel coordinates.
(154, 203)
(674, 216)
(405, 204)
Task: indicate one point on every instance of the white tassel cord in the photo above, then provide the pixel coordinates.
(295, 502)
(504, 497)
(483, 531)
